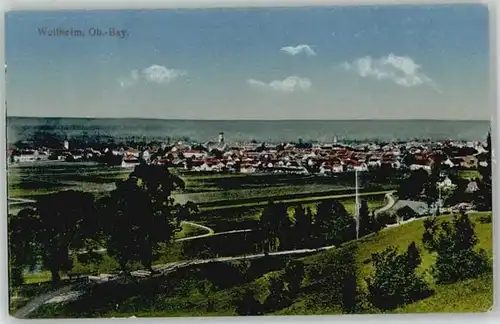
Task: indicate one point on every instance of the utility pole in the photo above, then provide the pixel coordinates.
(357, 203)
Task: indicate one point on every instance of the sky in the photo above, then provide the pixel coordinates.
(364, 62)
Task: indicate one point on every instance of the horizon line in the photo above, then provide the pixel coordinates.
(252, 119)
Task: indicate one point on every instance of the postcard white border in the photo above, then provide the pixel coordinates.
(491, 317)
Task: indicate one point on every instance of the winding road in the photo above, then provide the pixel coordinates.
(390, 202)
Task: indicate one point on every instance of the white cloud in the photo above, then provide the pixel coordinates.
(294, 50)
(290, 84)
(154, 73)
(401, 70)
(160, 74)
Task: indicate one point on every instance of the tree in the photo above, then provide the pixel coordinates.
(23, 250)
(335, 280)
(367, 223)
(207, 289)
(216, 153)
(293, 276)
(430, 187)
(484, 196)
(395, 281)
(272, 227)
(413, 186)
(457, 258)
(147, 215)
(303, 228)
(277, 298)
(60, 223)
(333, 224)
(248, 305)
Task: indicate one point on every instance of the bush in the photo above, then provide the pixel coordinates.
(386, 218)
(485, 219)
(454, 243)
(248, 305)
(395, 281)
(334, 284)
(277, 298)
(293, 276)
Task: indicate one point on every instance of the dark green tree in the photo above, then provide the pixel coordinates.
(302, 228)
(333, 224)
(413, 186)
(365, 222)
(455, 242)
(248, 305)
(430, 187)
(147, 215)
(207, 289)
(335, 281)
(348, 279)
(483, 198)
(293, 276)
(277, 297)
(60, 224)
(395, 281)
(273, 226)
(23, 249)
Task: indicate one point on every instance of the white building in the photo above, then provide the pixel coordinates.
(361, 168)
(129, 163)
(194, 154)
(146, 156)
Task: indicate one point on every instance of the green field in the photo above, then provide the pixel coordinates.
(469, 174)
(35, 180)
(182, 295)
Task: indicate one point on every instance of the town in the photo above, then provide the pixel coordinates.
(254, 157)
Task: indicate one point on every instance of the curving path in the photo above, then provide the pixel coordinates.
(17, 201)
(163, 269)
(390, 202)
(35, 303)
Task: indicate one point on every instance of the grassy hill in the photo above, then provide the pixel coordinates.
(468, 296)
(184, 293)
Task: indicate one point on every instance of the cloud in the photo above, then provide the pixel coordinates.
(290, 84)
(401, 70)
(160, 74)
(299, 49)
(154, 73)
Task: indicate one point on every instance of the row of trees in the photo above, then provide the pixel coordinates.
(330, 224)
(132, 224)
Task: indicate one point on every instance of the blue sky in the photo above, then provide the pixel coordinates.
(292, 63)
